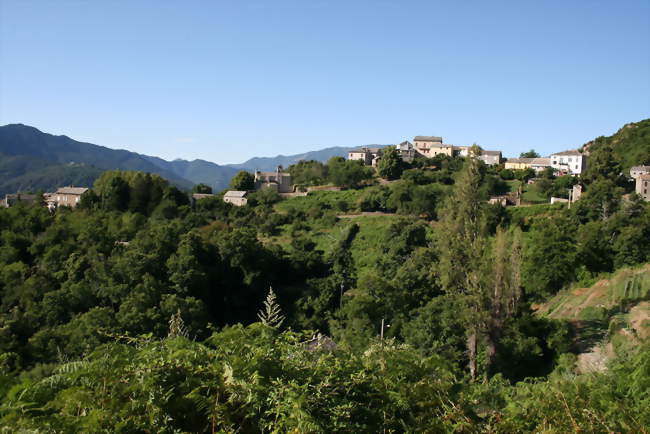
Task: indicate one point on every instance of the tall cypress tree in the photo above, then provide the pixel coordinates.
(462, 244)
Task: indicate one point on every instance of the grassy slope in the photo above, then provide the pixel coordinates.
(325, 199)
(624, 288)
(610, 312)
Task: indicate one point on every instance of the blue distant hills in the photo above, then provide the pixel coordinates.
(32, 160)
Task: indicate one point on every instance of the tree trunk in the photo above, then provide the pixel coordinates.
(490, 351)
(471, 353)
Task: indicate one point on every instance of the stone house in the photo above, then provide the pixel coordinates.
(369, 156)
(571, 162)
(68, 196)
(407, 151)
(279, 181)
(237, 198)
(12, 199)
(576, 192)
(637, 171)
(430, 146)
(643, 186)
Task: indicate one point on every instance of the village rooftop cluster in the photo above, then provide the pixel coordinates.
(572, 162)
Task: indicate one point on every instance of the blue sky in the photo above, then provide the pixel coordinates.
(226, 81)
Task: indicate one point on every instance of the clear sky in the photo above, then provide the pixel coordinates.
(226, 81)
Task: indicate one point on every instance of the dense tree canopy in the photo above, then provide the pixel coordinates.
(243, 181)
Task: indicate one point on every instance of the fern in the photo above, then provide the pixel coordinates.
(271, 314)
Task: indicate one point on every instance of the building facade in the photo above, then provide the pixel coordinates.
(491, 158)
(637, 171)
(12, 199)
(407, 151)
(643, 186)
(537, 164)
(68, 196)
(571, 162)
(369, 155)
(279, 181)
(430, 146)
(237, 198)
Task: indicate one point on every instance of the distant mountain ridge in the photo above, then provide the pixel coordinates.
(270, 163)
(31, 160)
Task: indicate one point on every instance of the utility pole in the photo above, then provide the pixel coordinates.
(382, 328)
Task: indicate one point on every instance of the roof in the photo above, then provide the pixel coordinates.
(201, 195)
(520, 160)
(235, 193)
(21, 196)
(428, 138)
(364, 149)
(491, 153)
(540, 161)
(645, 177)
(273, 174)
(569, 152)
(72, 190)
(640, 168)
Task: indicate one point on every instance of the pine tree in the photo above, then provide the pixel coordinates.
(271, 315)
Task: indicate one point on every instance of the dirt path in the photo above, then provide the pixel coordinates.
(365, 214)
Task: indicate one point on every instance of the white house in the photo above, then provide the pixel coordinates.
(572, 162)
(491, 158)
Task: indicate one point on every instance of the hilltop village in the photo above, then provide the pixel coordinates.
(432, 150)
(428, 151)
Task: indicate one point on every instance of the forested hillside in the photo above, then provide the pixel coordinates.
(630, 145)
(138, 311)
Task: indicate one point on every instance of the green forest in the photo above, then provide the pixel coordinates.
(402, 303)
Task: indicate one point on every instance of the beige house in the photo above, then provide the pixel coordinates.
(279, 181)
(68, 196)
(237, 198)
(537, 164)
(430, 146)
(518, 163)
(643, 186)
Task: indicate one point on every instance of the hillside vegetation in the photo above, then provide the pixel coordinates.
(630, 145)
(401, 304)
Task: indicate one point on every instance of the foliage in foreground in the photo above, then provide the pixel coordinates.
(256, 379)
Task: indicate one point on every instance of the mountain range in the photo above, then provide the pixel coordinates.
(32, 160)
